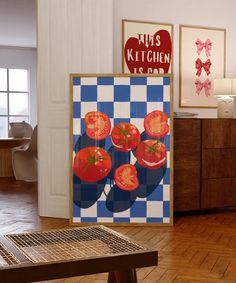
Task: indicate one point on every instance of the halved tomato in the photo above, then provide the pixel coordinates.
(92, 164)
(98, 125)
(156, 124)
(126, 177)
(151, 154)
(125, 137)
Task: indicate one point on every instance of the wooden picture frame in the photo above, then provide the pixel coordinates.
(124, 99)
(147, 47)
(202, 55)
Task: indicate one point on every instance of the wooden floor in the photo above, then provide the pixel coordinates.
(199, 248)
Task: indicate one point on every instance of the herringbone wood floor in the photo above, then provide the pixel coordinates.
(199, 248)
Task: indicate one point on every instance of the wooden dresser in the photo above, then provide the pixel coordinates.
(204, 163)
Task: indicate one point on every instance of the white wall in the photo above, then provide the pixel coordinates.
(19, 57)
(18, 23)
(211, 13)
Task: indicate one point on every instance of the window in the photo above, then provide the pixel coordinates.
(14, 98)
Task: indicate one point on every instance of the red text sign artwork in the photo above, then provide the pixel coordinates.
(149, 54)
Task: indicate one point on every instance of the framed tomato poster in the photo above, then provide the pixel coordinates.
(202, 59)
(121, 137)
(147, 47)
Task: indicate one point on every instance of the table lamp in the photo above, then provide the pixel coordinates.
(234, 95)
(223, 89)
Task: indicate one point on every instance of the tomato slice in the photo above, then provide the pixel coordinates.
(92, 164)
(126, 177)
(125, 137)
(156, 124)
(151, 154)
(98, 125)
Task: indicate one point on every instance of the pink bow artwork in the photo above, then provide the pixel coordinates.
(206, 66)
(206, 85)
(200, 45)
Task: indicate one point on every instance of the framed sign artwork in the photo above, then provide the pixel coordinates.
(121, 149)
(202, 59)
(147, 47)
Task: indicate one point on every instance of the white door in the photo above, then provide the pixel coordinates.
(74, 36)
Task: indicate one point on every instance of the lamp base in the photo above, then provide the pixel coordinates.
(225, 107)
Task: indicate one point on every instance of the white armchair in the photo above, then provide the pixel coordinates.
(25, 160)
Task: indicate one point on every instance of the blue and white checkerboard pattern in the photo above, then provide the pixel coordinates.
(123, 99)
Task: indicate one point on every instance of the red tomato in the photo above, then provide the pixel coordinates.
(125, 137)
(155, 124)
(92, 164)
(98, 125)
(126, 177)
(151, 154)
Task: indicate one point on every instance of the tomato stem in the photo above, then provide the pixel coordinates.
(125, 133)
(152, 148)
(122, 131)
(92, 159)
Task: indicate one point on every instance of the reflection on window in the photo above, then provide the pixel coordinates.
(3, 79)
(14, 98)
(3, 127)
(18, 104)
(18, 80)
(3, 103)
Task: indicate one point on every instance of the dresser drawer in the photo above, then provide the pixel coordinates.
(186, 187)
(218, 193)
(218, 163)
(219, 133)
(187, 157)
(187, 134)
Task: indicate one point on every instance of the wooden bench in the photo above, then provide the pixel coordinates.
(54, 254)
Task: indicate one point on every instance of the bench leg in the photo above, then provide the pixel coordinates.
(122, 276)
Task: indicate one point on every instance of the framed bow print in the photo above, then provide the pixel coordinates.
(202, 59)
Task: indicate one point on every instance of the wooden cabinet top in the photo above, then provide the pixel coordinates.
(216, 133)
(213, 119)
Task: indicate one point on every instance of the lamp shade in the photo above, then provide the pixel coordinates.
(233, 87)
(223, 87)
